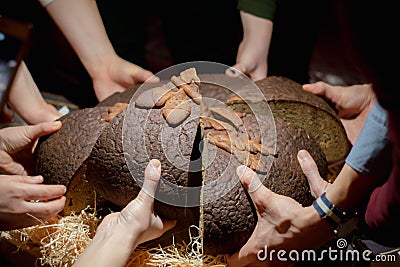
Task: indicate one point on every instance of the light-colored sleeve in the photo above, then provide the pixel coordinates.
(45, 2)
(372, 151)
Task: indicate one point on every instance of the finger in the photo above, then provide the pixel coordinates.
(258, 75)
(258, 193)
(325, 90)
(43, 191)
(150, 183)
(235, 71)
(318, 88)
(33, 132)
(168, 224)
(310, 169)
(45, 210)
(142, 75)
(160, 226)
(27, 179)
(237, 259)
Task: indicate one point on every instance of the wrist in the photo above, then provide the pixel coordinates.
(97, 66)
(313, 222)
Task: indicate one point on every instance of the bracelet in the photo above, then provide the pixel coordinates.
(328, 211)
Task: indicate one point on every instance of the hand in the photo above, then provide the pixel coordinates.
(18, 143)
(139, 214)
(283, 224)
(26, 100)
(120, 232)
(252, 54)
(353, 103)
(250, 62)
(24, 201)
(117, 75)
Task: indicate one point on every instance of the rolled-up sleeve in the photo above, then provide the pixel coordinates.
(260, 8)
(372, 151)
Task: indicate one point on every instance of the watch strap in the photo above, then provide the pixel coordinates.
(328, 211)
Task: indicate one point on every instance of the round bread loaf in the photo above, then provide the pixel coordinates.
(109, 156)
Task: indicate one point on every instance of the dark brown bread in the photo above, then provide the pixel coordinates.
(118, 160)
(289, 102)
(229, 219)
(109, 158)
(60, 155)
(60, 158)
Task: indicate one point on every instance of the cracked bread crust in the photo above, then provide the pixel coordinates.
(228, 221)
(150, 137)
(59, 156)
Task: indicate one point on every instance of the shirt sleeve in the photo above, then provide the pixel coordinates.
(372, 151)
(45, 2)
(260, 8)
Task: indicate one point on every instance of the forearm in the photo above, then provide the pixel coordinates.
(26, 99)
(367, 165)
(350, 189)
(109, 248)
(82, 25)
(257, 33)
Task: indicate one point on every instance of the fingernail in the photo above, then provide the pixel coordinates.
(37, 178)
(154, 79)
(232, 71)
(55, 124)
(240, 171)
(155, 167)
(302, 155)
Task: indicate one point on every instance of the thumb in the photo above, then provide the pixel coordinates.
(235, 71)
(33, 132)
(151, 178)
(318, 88)
(325, 90)
(310, 169)
(257, 191)
(142, 75)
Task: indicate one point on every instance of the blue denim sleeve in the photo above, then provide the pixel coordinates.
(372, 151)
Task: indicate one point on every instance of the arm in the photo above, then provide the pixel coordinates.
(252, 54)
(26, 100)
(257, 20)
(81, 23)
(119, 233)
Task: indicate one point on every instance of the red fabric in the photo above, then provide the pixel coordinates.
(383, 210)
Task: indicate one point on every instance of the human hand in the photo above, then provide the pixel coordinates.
(24, 201)
(283, 224)
(138, 216)
(27, 101)
(18, 143)
(250, 62)
(252, 54)
(120, 232)
(117, 75)
(353, 103)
